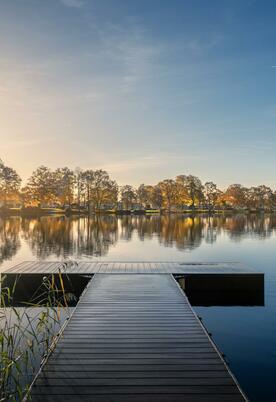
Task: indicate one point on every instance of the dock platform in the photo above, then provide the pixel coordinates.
(134, 337)
(83, 267)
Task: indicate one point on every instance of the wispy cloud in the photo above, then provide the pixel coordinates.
(148, 161)
(72, 3)
(200, 46)
(122, 64)
(25, 143)
(135, 57)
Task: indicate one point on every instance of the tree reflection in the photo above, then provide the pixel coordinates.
(63, 237)
(9, 238)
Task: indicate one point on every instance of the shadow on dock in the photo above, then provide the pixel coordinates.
(223, 290)
(201, 289)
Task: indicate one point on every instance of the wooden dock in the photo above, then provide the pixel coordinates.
(134, 337)
(83, 267)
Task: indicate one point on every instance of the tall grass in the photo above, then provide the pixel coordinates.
(27, 333)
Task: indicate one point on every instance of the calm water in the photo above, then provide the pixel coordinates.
(247, 335)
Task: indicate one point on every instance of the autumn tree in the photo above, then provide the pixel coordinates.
(63, 183)
(235, 195)
(169, 191)
(146, 195)
(41, 187)
(267, 197)
(156, 198)
(253, 198)
(260, 197)
(211, 193)
(183, 194)
(10, 183)
(87, 180)
(193, 188)
(79, 186)
(128, 196)
(142, 194)
(26, 197)
(99, 188)
(104, 189)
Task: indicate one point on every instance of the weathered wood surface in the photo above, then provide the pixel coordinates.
(135, 338)
(82, 267)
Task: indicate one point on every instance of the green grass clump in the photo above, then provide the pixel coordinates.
(27, 333)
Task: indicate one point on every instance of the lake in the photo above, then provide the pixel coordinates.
(246, 335)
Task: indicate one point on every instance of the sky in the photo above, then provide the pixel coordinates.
(145, 89)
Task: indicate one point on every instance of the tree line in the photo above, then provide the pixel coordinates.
(94, 190)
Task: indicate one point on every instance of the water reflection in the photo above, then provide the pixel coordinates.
(9, 238)
(245, 334)
(64, 237)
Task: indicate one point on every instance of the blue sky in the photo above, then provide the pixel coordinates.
(144, 89)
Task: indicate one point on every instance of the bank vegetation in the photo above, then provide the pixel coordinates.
(93, 191)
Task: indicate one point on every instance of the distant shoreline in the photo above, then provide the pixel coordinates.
(40, 212)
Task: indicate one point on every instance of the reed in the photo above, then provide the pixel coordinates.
(27, 333)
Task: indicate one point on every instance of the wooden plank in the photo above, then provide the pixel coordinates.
(136, 389)
(133, 381)
(142, 398)
(84, 267)
(49, 374)
(116, 343)
(130, 351)
(21, 268)
(135, 337)
(133, 367)
(16, 267)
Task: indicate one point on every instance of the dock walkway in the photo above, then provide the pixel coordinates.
(135, 338)
(130, 267)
